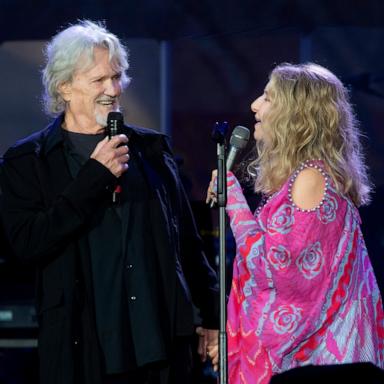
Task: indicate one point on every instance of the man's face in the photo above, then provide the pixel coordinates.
(93, 92)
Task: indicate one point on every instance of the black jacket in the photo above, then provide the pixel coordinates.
(46, 215)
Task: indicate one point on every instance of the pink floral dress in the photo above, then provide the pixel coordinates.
(303, 289)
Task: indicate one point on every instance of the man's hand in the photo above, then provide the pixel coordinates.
(112, 154)
(208, 345)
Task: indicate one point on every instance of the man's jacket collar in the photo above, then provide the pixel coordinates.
(42, 142)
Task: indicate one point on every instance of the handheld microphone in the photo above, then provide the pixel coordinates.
(115, 122)
(238, 141)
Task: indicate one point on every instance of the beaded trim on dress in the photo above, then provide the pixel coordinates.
(317, 164)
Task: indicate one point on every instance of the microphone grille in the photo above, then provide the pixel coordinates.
(239, 137)
(115, 116)
(115, 123)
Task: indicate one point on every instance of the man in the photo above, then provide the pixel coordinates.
(115, 281)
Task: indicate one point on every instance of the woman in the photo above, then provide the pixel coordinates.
(303, 289)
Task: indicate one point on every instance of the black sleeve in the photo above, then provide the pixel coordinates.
(201, 278)
(37, 230)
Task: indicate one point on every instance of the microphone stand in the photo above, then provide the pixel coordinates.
(222, 202)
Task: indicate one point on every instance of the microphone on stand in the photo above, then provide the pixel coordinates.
(238, 141)
(115, 122)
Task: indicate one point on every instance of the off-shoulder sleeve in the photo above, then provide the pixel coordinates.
(299, 278)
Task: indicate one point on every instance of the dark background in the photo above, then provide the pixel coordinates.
(218, 56)
(197, 62)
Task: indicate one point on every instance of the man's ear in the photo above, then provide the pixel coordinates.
(65, 90)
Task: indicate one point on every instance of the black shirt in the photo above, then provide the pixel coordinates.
(124, 266)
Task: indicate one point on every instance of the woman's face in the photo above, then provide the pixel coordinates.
(261, 107)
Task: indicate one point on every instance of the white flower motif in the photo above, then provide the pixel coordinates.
(286, 318)
(279, 257)
(282, 220)
(310, 261)
(327, 211)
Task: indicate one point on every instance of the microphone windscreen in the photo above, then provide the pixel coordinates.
(114, 115)
(239, 137)
(115, 123)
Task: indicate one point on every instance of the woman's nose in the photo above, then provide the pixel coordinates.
(255, 105)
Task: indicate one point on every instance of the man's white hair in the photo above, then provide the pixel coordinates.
(63, 54)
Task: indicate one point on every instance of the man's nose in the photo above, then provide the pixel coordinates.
(113, 88)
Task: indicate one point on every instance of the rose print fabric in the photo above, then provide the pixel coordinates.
(303, 289)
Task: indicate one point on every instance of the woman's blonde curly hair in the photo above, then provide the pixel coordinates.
(310, 118)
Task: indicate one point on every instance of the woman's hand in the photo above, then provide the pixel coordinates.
(213, 353)
(212, 188)
(209, 345)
